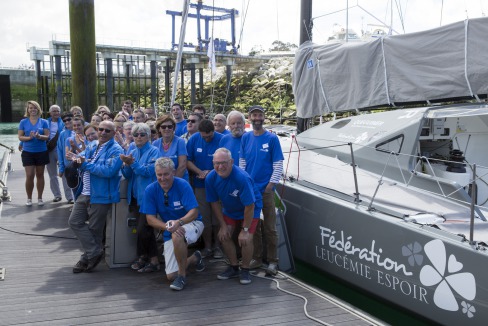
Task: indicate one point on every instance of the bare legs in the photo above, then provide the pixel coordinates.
(32, 172)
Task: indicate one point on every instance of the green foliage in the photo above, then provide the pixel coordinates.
(281, 46)
(23, 92)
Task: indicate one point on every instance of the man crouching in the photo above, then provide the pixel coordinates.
(173, 199)
(236, 202)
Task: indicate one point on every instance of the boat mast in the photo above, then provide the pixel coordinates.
(186, 8)
(305, 35)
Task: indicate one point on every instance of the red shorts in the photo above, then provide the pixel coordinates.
(238, 223)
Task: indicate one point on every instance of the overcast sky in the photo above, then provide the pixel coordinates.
(145, 23)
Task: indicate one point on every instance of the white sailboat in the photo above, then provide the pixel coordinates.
(396, 202)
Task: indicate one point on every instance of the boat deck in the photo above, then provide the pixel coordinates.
(37, 252)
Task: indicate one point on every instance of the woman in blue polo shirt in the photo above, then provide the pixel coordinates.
(33, 133)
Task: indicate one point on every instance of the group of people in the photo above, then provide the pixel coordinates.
(188, 178)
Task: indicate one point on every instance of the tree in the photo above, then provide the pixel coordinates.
(281, 46)
(256, 50)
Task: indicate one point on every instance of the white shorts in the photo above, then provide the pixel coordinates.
(193, 231)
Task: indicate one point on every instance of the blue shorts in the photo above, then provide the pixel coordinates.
(35, 158)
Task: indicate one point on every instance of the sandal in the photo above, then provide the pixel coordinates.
(149, 268)
(138, 264)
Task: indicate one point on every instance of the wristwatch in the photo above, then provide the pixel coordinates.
(245, 229)
(181, 222)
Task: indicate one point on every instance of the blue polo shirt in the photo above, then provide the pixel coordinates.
(260, 152)
(201, 153)
(179, 202)
(176, 148)
(235, 192)
(181, 128)
(233, 144)
(34, 145)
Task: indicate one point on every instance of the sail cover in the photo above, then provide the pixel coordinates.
(442, 63)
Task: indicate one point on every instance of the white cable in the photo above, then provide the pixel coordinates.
(293, 294)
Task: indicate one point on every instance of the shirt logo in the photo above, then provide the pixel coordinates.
(235, 193)
(199, 150)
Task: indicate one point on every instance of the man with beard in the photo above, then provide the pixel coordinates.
(236, 122)
(262, 158)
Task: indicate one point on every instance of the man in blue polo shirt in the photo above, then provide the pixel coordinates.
(200, 148)
(232, 141)
(236, 202)
(173, 199)
(261, 156)
(179, 116)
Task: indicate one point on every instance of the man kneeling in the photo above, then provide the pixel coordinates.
(173, 199)
(236, 202)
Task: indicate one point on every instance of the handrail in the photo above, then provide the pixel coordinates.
(356, 194)
(473, 198)
(5, 168)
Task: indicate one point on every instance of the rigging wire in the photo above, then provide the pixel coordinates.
(442, 9)
(212, 82)
(400, 15)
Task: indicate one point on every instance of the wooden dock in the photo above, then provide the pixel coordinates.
(38, 250)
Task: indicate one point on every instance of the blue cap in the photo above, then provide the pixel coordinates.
(256, 107)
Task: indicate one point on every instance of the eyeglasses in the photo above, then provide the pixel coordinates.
(166, 127)
(142, 134)
(220, 163)
(104, 129)
(191, 120)
(166, 199)
(67, 120)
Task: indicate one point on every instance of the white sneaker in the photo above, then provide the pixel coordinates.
(40, 202)
(29, 202)
(272, 269)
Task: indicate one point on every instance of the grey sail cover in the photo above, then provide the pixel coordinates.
(445, 62)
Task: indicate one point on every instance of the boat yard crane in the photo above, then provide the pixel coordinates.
(220, 45)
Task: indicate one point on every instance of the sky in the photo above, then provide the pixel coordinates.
(144, 23)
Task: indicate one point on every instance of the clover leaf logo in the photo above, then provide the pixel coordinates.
(447, 275)
(412, 251)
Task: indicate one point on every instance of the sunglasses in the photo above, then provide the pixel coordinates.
(166, 199)
(166, 127)
(191, 121)
(137, 134)
(67, 120)
(153, 131)
(105, 129)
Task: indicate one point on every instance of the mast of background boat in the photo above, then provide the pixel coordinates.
(305, 35)
(184, 16)
(347, 21)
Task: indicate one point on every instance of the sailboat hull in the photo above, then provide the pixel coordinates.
(430, 272)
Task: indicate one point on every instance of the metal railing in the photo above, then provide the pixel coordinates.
(5, 168)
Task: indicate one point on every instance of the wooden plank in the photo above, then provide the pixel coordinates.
(40, 288)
